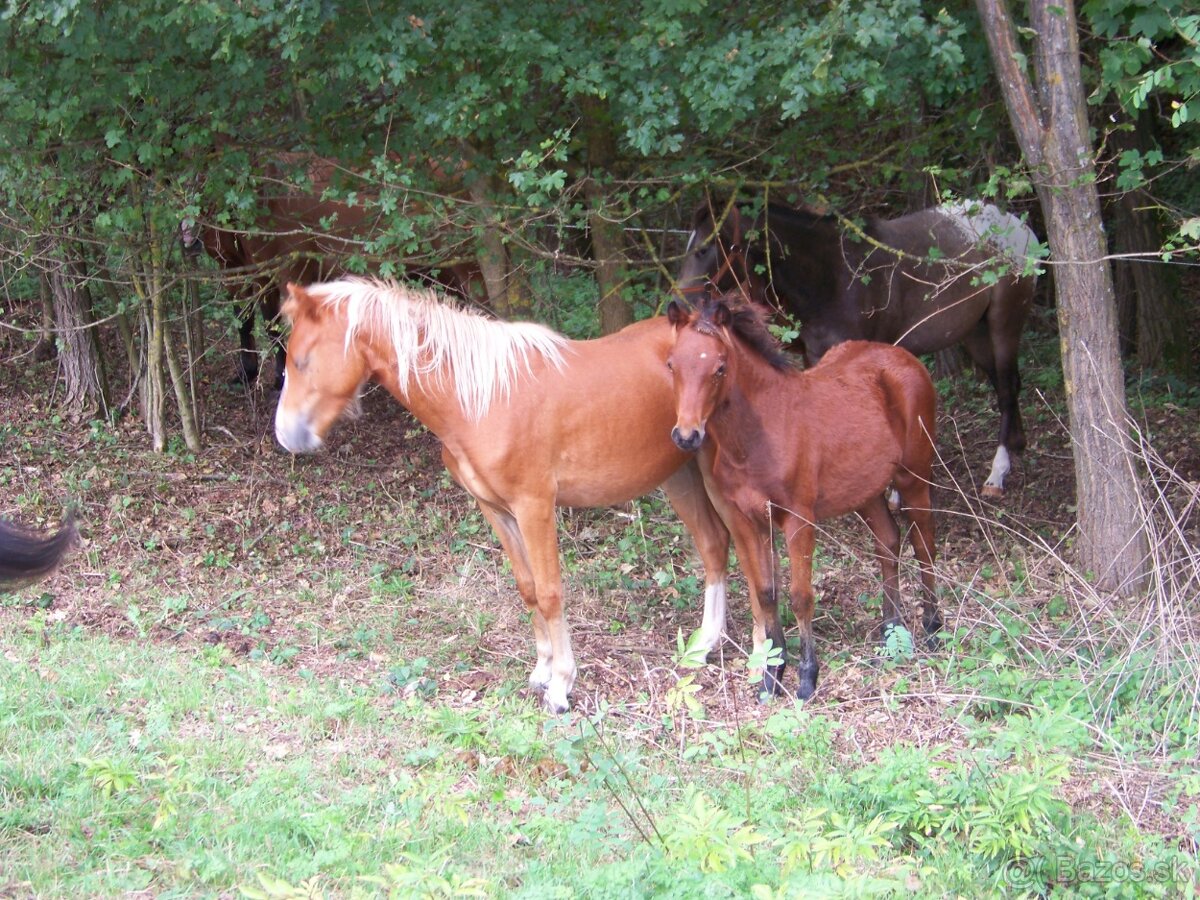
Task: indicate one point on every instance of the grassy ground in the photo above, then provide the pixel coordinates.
(284, 677)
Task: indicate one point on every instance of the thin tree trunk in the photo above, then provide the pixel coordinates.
(1049, 118)
(185, 397)
(154, 384)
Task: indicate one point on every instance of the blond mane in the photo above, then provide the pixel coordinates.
(432, 337)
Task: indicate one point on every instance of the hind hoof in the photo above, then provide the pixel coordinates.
(991, 492)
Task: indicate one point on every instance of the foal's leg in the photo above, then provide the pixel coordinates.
(801, 540)
(918, 508)
(756, 552)
(506, 529)
(685, 489)
(887, 552)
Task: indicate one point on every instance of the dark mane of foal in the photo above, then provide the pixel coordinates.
(748, 322)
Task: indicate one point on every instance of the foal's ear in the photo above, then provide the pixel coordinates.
(721, 316)
(676, 314)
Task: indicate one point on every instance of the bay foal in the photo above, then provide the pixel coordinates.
(784, 448)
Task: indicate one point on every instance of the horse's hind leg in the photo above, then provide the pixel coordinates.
(506, 530)
(685, 490)
(994, 344)
(887, 553)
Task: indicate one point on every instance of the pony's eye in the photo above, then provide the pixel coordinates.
(720, 370)
(670, 366)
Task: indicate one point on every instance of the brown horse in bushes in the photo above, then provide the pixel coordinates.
(957, 273)
(784, 448)
(528, 420)
(300, 237)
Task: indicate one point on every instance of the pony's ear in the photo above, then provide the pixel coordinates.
(676, 314)
(296, 302)
(721, 316)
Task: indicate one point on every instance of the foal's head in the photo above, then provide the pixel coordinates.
(324, 373)
(710, 343)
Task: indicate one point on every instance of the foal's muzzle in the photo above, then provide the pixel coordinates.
(688, 441)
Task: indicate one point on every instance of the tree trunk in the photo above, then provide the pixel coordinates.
(79, 359)
(45, 347)
(1153, 314)
(1050, 121)
(608, 238)
(508, 290)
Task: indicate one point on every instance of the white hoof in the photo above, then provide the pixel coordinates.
(555, 699)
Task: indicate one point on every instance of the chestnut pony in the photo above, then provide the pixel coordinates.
(25, 555)
(784, 448)
(925, 281)
(527, 419)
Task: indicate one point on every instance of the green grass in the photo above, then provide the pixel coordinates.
(126, 766)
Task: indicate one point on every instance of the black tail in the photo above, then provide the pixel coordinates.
(24, 554)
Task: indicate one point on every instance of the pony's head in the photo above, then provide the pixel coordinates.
(710, 341)
(716, 250)
(324, 372)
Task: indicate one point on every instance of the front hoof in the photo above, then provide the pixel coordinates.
(555, 703)
(808, 681)
(991, 492)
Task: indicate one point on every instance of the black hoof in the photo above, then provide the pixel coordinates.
(808, 682)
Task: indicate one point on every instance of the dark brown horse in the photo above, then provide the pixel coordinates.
(25, 555)
(784, 448)
(527, 419)
(925, 281)
(300, 237)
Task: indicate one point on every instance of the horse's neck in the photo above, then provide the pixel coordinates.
(739, 424)
(429, 397)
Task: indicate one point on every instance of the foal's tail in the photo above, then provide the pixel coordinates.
(24, 554)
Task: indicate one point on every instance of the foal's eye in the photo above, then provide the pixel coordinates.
(670, 366)
(720, 370)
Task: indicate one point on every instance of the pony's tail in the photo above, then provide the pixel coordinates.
(24, 554)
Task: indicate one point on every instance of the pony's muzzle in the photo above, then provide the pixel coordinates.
(688, 441)
(295, 434)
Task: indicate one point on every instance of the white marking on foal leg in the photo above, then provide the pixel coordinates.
(759, 632)
(712, 629)
(994, 486)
